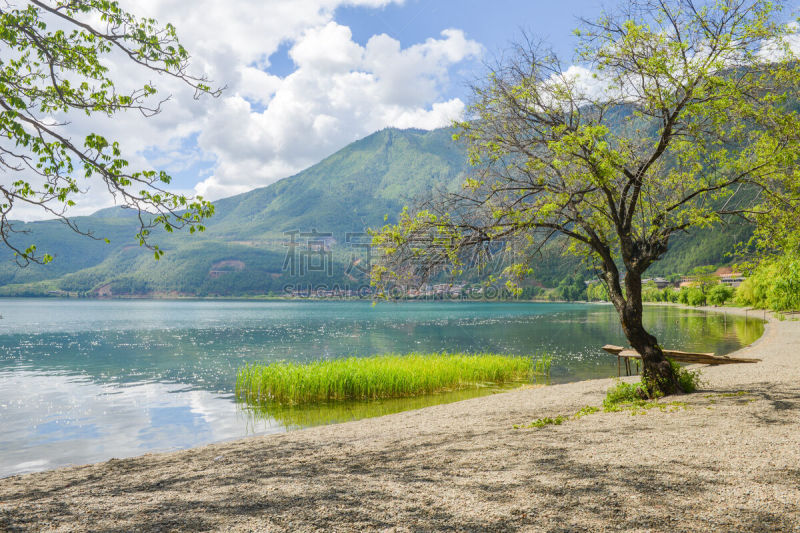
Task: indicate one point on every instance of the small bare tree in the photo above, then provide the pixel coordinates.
(680, 116)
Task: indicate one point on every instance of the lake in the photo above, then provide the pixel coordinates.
(87, 380)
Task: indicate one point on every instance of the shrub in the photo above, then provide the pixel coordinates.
(636, 393)
(785, 290)
(623, 393)
(597, 292)
(745, 293)
(689, 379)
(774, 284)
(719, 294)
(683, 295)
(650, 293)
(696, 297)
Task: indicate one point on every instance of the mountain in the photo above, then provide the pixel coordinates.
(243, 249)
(301, 230)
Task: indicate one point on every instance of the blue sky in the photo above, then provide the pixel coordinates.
(304, 78)
(493, 24)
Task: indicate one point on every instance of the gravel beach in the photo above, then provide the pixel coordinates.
(729, 460)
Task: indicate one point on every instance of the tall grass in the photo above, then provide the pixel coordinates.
(541, 366)
(385, 376)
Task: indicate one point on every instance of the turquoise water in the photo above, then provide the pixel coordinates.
(86, 380)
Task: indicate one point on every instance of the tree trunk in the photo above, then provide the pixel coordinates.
(657, 375)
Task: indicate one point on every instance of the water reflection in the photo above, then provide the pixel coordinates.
(54, 419)
(295, 417)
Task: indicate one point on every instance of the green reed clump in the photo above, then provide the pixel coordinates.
(541, 366)
(385, 376)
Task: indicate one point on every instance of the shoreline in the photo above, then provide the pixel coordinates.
(729, 460)
(266, 298)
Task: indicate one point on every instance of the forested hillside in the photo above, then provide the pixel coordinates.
(305, 229)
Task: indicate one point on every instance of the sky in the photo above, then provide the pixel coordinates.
(304, 78)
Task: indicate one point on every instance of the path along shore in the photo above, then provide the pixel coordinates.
(729, 461)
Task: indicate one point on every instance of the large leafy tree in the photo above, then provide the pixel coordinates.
(682, 116)
(54, 63)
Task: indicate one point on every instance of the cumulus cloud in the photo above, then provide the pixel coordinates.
(265, 127)
(339, 92)
(787, 48)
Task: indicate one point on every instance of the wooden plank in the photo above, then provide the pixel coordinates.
(692, 357)
(674, 354)
(678, 353)
(610, 348)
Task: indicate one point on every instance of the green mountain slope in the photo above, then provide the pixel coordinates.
(244, 249)
(349, 190)
(345, 193)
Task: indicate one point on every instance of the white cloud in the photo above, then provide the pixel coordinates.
(339, 92)
(265, 127)
(785, 49)
(588, 84)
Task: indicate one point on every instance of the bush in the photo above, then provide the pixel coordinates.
(745, 293)
(774, 284)
(784, 293)
(683, 296)
(572, 288)
(689, 379)
(597, 292)
(719, 294)
(623, 393)
(650, 293)
(696, 297)
(636, 393)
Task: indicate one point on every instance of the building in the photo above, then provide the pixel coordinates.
(661, 283)
(732, 280)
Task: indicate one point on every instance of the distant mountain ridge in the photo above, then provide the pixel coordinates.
(304, 229)
(345, 193)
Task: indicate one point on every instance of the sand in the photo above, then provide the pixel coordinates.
(727, 461)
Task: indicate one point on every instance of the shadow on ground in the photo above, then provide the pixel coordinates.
(621, 472)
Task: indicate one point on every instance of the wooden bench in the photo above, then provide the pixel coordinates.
(627, 354)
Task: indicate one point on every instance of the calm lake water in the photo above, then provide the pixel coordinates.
(84, 381)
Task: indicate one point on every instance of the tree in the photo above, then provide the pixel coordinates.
(688, 118)
(695, 297)
(774, 284)
(596, 292)
(572, 288)
(704, 277)
(719, 294)
(54, 63)
(651, 293)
